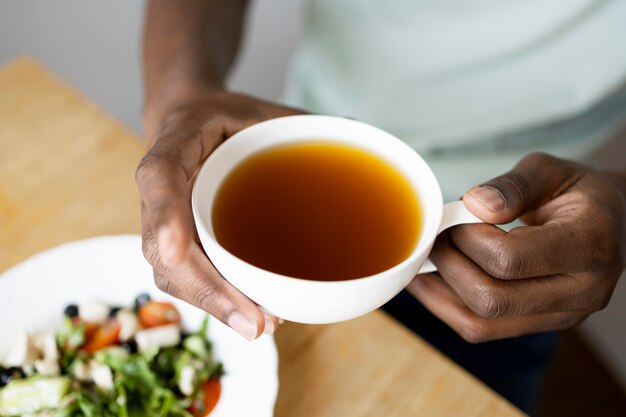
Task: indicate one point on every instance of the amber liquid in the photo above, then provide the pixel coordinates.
(318, 211)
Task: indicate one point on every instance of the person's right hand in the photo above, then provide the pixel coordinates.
(182, 142)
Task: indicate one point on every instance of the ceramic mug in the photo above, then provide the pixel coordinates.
(308, 301)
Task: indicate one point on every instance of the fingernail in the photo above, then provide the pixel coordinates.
(280, 321)
(490, 197)
(269, 326)
(167, 243)
(243, 324)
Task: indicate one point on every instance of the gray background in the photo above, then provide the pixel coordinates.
(94, 45)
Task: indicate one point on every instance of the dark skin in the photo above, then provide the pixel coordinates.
(490, 284)
(549, 275)
(188, 48)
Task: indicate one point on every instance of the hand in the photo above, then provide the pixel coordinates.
(184, 140)
(548, 275)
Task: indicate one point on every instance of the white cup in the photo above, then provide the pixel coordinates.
(308, 301)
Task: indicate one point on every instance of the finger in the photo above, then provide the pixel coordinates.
(165, 197)
(271, 322)
(446, 305)
(164, 176)
(490, 297)
(197, 282)
(529, 251)
(537, 178)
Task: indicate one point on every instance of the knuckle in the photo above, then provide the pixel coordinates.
(206, 298)
(150, 251)
(603, 302)
(489, 301)
(161, 282)
(592, 292)
(474, 331)
(145, 169)
(538, 159)
(571, 320)
(608, 250)
(160, 157)
(599, 300)
(516, 183)
(149, 247)
(503, 261)
(541, 161)
(601, 246)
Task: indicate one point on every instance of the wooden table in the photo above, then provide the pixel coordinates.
(66, 173)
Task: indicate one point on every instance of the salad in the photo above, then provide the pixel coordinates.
(110, 361)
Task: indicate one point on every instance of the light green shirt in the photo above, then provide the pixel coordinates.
(470, 84)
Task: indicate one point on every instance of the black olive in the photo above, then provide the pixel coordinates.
(71, 311)
(142, 299)
(113, 311)
(183, 336)
(9, 374)
(130, 346)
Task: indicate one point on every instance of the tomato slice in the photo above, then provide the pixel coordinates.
(207, 398)
(90, 326)
(155, 313)
(104, 336)
(90, 329)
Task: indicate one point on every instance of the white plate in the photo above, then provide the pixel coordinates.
(112, 269)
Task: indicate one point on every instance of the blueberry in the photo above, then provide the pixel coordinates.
(183, 336)
(141, 300)
(71, 311)
(9, 374)
(113, 311)
(130, 346)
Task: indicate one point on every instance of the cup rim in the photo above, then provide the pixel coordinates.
(243, 134)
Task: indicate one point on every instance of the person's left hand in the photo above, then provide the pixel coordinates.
(548, 275)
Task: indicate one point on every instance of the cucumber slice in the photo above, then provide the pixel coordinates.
(32, 394)
(196, 345)
(115, 357)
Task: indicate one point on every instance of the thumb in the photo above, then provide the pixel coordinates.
(536, 179)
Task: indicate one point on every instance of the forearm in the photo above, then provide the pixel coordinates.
(189, 46)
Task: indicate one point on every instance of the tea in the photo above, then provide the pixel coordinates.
(318, 211)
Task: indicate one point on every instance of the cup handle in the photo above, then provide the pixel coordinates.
(453, 214)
